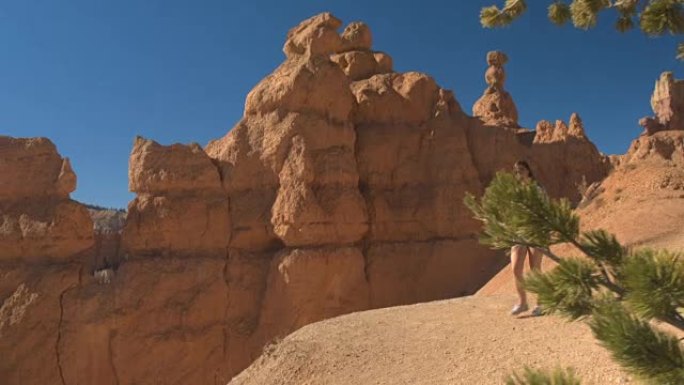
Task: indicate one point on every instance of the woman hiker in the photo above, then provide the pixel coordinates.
(519, 252)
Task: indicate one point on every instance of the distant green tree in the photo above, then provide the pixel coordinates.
(654, 17)
(617, 289)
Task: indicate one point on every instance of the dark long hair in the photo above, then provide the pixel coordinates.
(526, 166)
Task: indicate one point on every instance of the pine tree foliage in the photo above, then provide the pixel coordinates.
(604, 247)
(568, 289)
(619, 290)
(520, 214)
(644, 351)
(654, 17)
(654, 281)
(537, 377)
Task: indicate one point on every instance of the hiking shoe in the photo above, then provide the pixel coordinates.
(537, 311)
(517, 309)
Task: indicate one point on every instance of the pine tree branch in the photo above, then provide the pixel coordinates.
(550, 254)
(606, 281)
(675, 320)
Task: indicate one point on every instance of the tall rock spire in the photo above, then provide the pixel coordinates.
(496, 106)
(668, 105)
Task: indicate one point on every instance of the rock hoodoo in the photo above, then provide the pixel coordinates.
(340, 189)
(38, 221)
(546, 132)
(668, 105)
(496, 106)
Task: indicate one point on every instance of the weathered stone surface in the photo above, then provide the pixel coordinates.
(31, 318)
(650, 125)
(38, 221)
(411, 195)
(318, 202)
(358, 65)
(411, 272)
(663, 146)
(291, 159)
(156, 169)
(31, 167)
(407, 98)
(315, 86)
(181, 208)
(668, 101)
(544, 132)
(314, 36)
(157, 320)
(576, 127)
(43, 230)
(560, 132)
(308, 285)
(163, 225)
(357, 37)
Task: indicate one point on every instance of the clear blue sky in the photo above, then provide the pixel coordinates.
(92, 74)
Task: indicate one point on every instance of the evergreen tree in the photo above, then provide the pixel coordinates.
(617, 289)
(654, 17)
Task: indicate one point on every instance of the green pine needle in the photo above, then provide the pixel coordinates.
(642, 350)
(491, 17)
(657, 17)
(515, 8)
(624, 24)
(662, 16)
(559, 13)
(518, 213)
(603, 247)
(585, 12)
(655, 283)
(567, 289)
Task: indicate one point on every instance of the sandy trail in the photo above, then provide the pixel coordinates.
(470, 340)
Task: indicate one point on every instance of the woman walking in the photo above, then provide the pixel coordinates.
(519, 252)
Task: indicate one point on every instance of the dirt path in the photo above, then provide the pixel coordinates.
(470, 340)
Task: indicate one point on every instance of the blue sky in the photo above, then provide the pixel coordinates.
(92, 74)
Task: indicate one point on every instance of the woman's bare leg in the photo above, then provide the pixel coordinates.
(517, 265)
(536, 256)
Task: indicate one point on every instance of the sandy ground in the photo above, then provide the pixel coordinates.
(470, 340)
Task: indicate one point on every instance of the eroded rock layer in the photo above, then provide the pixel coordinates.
(38, 221)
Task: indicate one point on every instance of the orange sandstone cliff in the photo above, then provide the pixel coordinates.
(339, 190)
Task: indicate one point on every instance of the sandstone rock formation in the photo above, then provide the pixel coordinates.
(38, 221)
(180, 208)
(496, 106)
(560, 132)
(667, 103)
(340, 189)
(562, 158)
